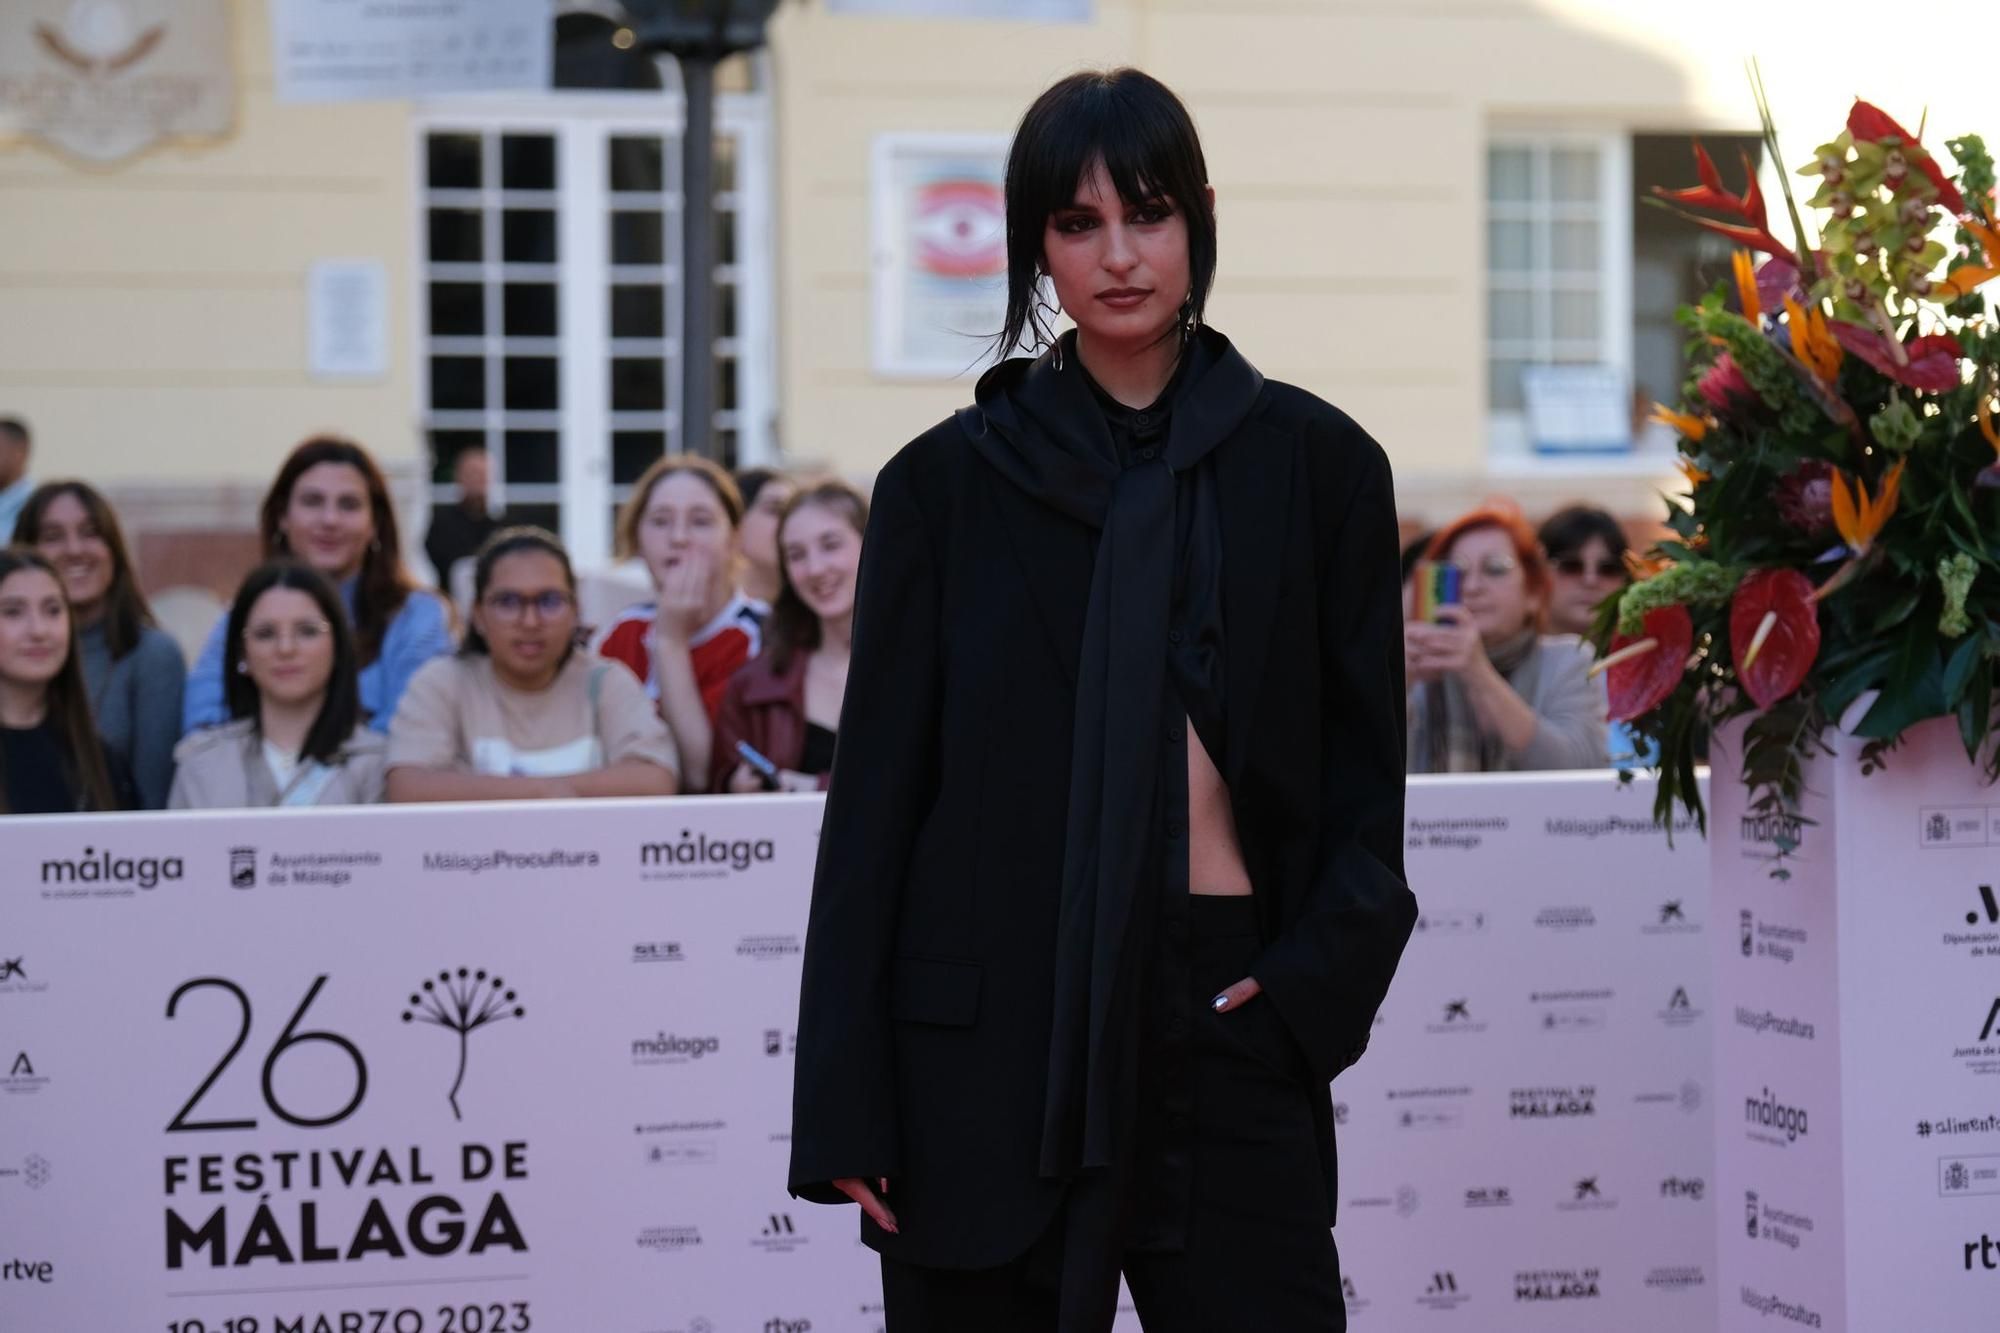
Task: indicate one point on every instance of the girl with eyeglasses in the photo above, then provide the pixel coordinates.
(1489, 691)
(51, 760)
(133, 668)
(295, 736)
(519, 713)
(329, 509)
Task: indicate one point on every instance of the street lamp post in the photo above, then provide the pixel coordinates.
(699, 34)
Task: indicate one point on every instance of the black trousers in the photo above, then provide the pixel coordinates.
(1258, 1256)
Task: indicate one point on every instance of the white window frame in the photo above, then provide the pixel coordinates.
(1508, 449)
(581, 121)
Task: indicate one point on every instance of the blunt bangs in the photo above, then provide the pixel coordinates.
(1150, 150)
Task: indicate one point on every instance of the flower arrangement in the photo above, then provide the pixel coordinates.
(1837, 429)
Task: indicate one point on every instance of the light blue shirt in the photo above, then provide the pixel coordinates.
(12, 500)
(420, 631)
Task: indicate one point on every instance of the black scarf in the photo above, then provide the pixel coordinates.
(1040, 426)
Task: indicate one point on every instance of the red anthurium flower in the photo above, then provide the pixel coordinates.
(1640, 681)
(1773, 633)
(1754, 231)
(1928, 363)
(1868, 121)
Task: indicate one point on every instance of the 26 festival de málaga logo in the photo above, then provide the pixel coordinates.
(307, 1198)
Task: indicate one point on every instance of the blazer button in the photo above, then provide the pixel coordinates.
(1173, 636)
(1174, 734)
(1175, 828)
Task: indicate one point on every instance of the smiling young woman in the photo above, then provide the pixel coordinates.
(1110, 879)
(134, 670)
(329, 509)
(51, 760)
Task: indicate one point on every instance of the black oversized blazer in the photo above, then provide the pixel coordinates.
(924, 1020)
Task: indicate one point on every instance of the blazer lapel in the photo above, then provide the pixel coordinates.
(1055, 554)
(1253, 483)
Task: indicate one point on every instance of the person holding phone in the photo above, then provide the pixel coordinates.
(785, 705)
(1489, 692)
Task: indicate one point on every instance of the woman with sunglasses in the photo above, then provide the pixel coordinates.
(1586, 553)
(295, 736)
(1489, 692)
(519, 713)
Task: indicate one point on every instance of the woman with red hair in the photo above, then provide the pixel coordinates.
(1489, 691)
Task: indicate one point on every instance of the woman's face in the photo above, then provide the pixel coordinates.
(34, 628)
(684, 519)
(759, 534)
(822, 551)
(69, 540)
(1581, 580)
(327, 521)
(1120, 269)
(287, 647)
(1492, 584)
(528, 615)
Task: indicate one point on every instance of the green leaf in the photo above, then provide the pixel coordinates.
(1898, 611)
(1845, 688)
(1958, 671)
(1915, 690)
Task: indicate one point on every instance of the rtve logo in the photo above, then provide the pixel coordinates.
(1988, 1251)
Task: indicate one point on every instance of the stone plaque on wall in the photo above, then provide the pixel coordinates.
(105, 79)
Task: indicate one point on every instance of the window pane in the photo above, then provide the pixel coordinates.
(725, 392)
(1503, 383)
(528, 236)
(1573, 175)
(638, 384)
(1573, 314)
(457, 308)
(632, 452)
(454, 235)
(531, 309)
(1573, 247)
(725, 164)
(446, 445)
(452, 161)
(725, 238)
(726, 448)
(1510, 246)
(458, 383)
(636, 238)
(528, 162)
(638, 312)
(637, 164)
(1510, 175)
(531, 456)
(1510, 314)
(531, 383)
(725, 311)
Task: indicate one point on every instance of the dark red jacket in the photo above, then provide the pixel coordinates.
(767, 709)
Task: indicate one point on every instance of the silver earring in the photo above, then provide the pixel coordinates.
(1058, 355)
(242, 667)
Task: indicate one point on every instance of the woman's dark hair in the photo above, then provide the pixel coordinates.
(1413, 552)
(68, 706)
(711, 472)
(1150, 148)
(751, 480)
(506, 542)
(792, 627)
(125, 608)
(385, 583)
(1568, 531)
(340, 710)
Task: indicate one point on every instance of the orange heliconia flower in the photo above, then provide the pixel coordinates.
(1693, 427)
(1746, 285)
(1961, 280)
(1694, 474)
(1859, 517)
(1813, 342)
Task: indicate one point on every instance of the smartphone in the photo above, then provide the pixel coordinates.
(766, 770)
(1437, 587)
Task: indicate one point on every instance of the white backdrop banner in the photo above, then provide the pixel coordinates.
(501, 1068)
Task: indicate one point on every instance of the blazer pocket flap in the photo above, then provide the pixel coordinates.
(943, 991)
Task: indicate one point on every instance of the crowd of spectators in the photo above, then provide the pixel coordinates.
(336, 677)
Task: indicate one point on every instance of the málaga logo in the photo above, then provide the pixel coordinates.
(117, 874)
(462, 1002)
(698, 856)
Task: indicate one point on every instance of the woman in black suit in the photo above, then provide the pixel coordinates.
(1110, 880)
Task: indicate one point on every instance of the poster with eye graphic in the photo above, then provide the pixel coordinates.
(939, 283)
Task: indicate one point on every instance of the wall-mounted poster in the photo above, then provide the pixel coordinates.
(1017, 11)
(105, 79)
(337, 50)
(940, 261)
